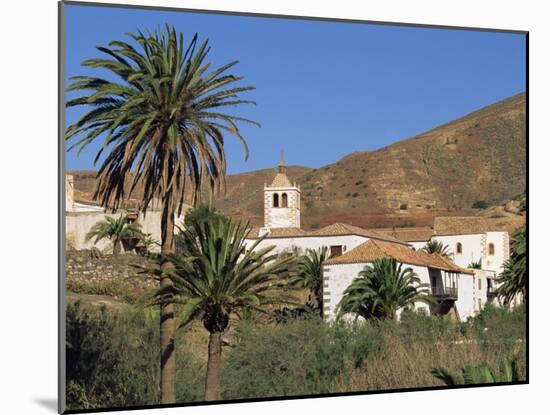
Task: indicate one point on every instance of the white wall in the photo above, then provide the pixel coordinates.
(466, 301)
(282, 217)
(418, 244)
(339, 277)
(310, 242)
(472, 247)
(500, 241)
(78, 224)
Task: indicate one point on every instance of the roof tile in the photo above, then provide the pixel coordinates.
(376, 249)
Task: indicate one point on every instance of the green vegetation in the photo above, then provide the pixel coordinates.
(513, 280)
(116, 230)
(437, 247)
(403, 206)
(309, 275)
(112, 359)
(163, 129)
(111, 356)
(475, 265)
(215, 276)
(483, 373)
(381, 288)
(480, 204)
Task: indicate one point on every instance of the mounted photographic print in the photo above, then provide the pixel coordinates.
(262, 207)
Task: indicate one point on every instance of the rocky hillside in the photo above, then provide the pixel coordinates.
(480, 157)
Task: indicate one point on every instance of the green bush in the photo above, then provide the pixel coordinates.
(500, 328)
(113, 360)
(480, 204)
(301, 357)
(403, 206)
(113, 356)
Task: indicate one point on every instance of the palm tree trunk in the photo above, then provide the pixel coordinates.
(213, 370)
(116, 247)
(167, 322)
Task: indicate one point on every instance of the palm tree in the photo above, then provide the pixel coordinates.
(475, 265)
(309, 275)
(382, 288)
(473, 375)
(513, 280)
(437, 247)
(216, 276)
(114, 229)
(164, 134)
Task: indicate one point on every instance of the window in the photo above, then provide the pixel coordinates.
(491, 249)
(335, 250)
(458, 248)
(275, 200)
(284, 201)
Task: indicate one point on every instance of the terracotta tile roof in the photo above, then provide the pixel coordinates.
(408, 234)
(278, 233)
(281, 180)
(375, 249)
(457, 225)
(338, 229)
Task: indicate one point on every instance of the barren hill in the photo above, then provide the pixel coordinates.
(481, 156)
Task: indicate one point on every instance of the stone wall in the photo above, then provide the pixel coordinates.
(116, 276)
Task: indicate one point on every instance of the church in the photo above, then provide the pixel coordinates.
(459, 289)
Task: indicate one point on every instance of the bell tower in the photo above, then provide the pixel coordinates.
(281, 201)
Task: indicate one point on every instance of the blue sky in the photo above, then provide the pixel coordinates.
(324, 89)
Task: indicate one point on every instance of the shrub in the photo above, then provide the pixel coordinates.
(480, 204)
(112, 359)
(315, 226)
(357, 183)
(301, 357)
(355, 194)
(403, 206)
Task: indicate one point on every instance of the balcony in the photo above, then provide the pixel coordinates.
(445, 293)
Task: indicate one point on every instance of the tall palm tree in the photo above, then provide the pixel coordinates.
(309, 275)
(159, 115)
(114, 229)
(437, 247)
(217, 275)
(382, 288)
(513, 280)
(482, 373)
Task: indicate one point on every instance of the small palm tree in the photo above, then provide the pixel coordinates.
(216, 276)
(382, 288)
(437, 247)
(513, 280)
(309, 275)
(161, 118)
(114, 229)
(473, 375)
(475, 265)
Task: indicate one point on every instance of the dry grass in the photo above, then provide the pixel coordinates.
(403, 364)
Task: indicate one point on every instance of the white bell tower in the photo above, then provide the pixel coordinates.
(281, 201)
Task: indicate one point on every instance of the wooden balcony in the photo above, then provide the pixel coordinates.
(441, 292)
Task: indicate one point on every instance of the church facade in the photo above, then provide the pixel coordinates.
(459, 288)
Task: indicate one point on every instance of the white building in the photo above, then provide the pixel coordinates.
(452, 287)
(458, 290)
(81, 217)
